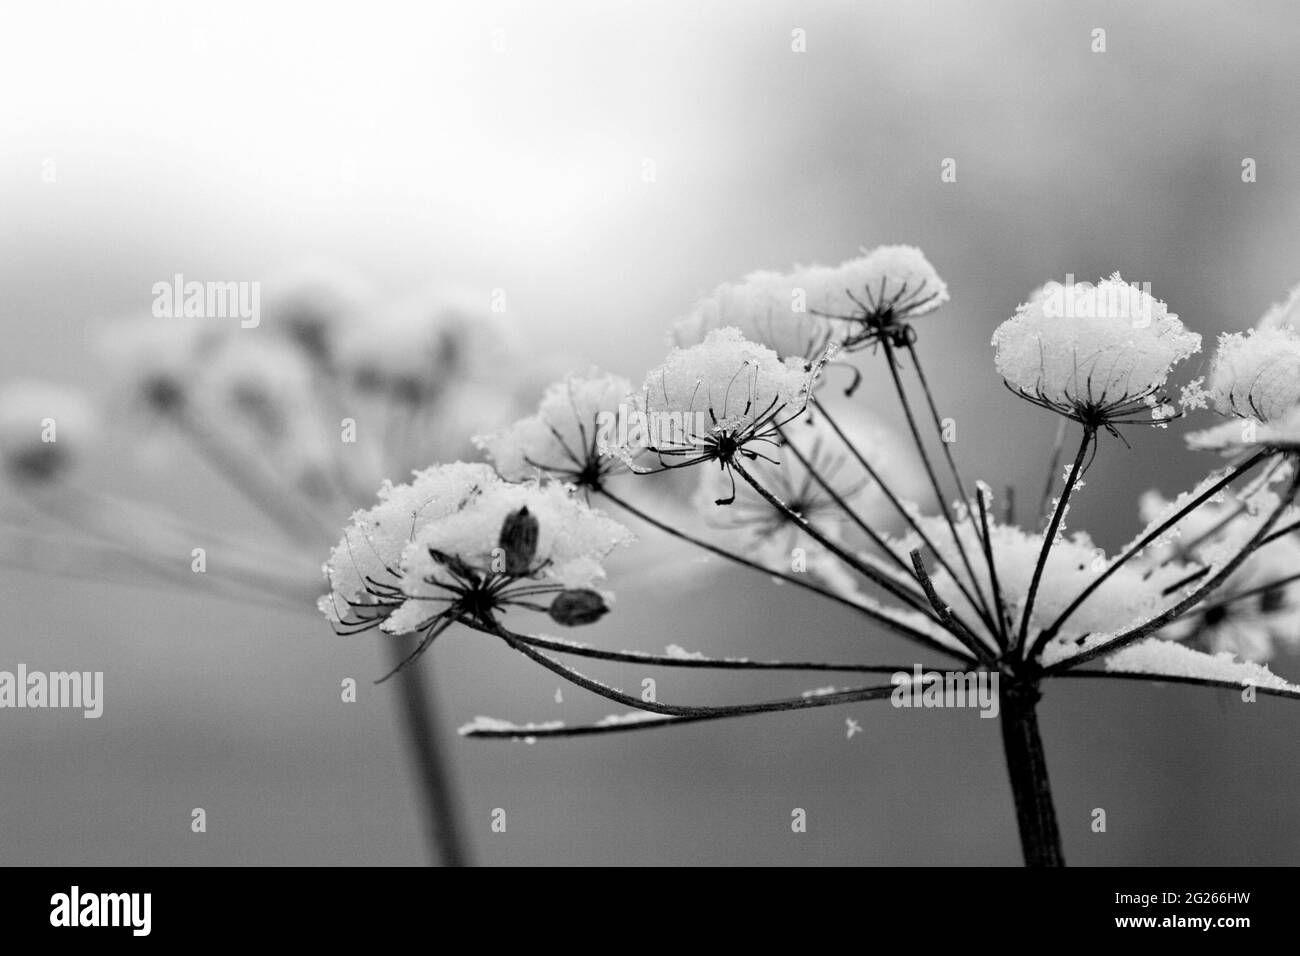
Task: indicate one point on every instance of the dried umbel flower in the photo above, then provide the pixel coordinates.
(1098, 354)
(1256, 373)
(718, 401)
(1258, 608)
(364, 569)
(769, 308)
(44, 429)
(874, 296)
(572, 436)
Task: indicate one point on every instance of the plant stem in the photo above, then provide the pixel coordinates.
(1040, 838)
(419, 719)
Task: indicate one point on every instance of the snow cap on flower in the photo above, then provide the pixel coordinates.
(712, 401)
(472, 553)
(1256, 373)
(364, 567)
(1128, 596)
(1246, 616)
(415, 349)
(875, 293)
(571, 435)
(1284, 314)
(1097, 353)
(769, 308)
(43, 430)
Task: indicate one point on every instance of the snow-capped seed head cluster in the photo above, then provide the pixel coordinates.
(714, 400)
(875, 293)
(1097, 353)
(1256, 373)
(1256, 618)
(571, 436)
(414, 350)
(364, 569)
(469, 555)
(1129, 595)
(1284, 314)
(769, 308)
(44, 428)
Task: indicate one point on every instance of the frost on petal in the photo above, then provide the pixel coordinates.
(1093, 351)
(1257, 373)
(570, 436)
(44, 429)
(1170, 659)
(363, 569)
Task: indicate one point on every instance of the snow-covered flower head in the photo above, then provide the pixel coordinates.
(1282, 434)
(761, 529)
(572, 434)
(1129, 595)
(1099, 354)
(470, 545)
(769, 308)
(1256, 373)
(414, 350)
(722, 399)
(1284, 314)
(1258, 606)
(43, 430)
(876, 294)
(364, 569)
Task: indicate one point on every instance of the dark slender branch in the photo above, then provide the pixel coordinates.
(1051, 631)
(1049, 536)
(897, 503)
(981, 605)
(1173, 613)
(899, 627)
(866, 571)
(955, 627)
(709, 663)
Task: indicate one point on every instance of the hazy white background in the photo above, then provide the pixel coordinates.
(503, 146)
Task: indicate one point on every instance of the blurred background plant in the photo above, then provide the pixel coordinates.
(506, 145)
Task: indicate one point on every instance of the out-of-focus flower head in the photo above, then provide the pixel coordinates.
(44, 429)
(312, 304)
(1256, 373)
(769, 308)
(1099, 354)
(415, 350)
(572, 435)
(1284, 314)
(723, 399)
(154, 361)
(1246, 617)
